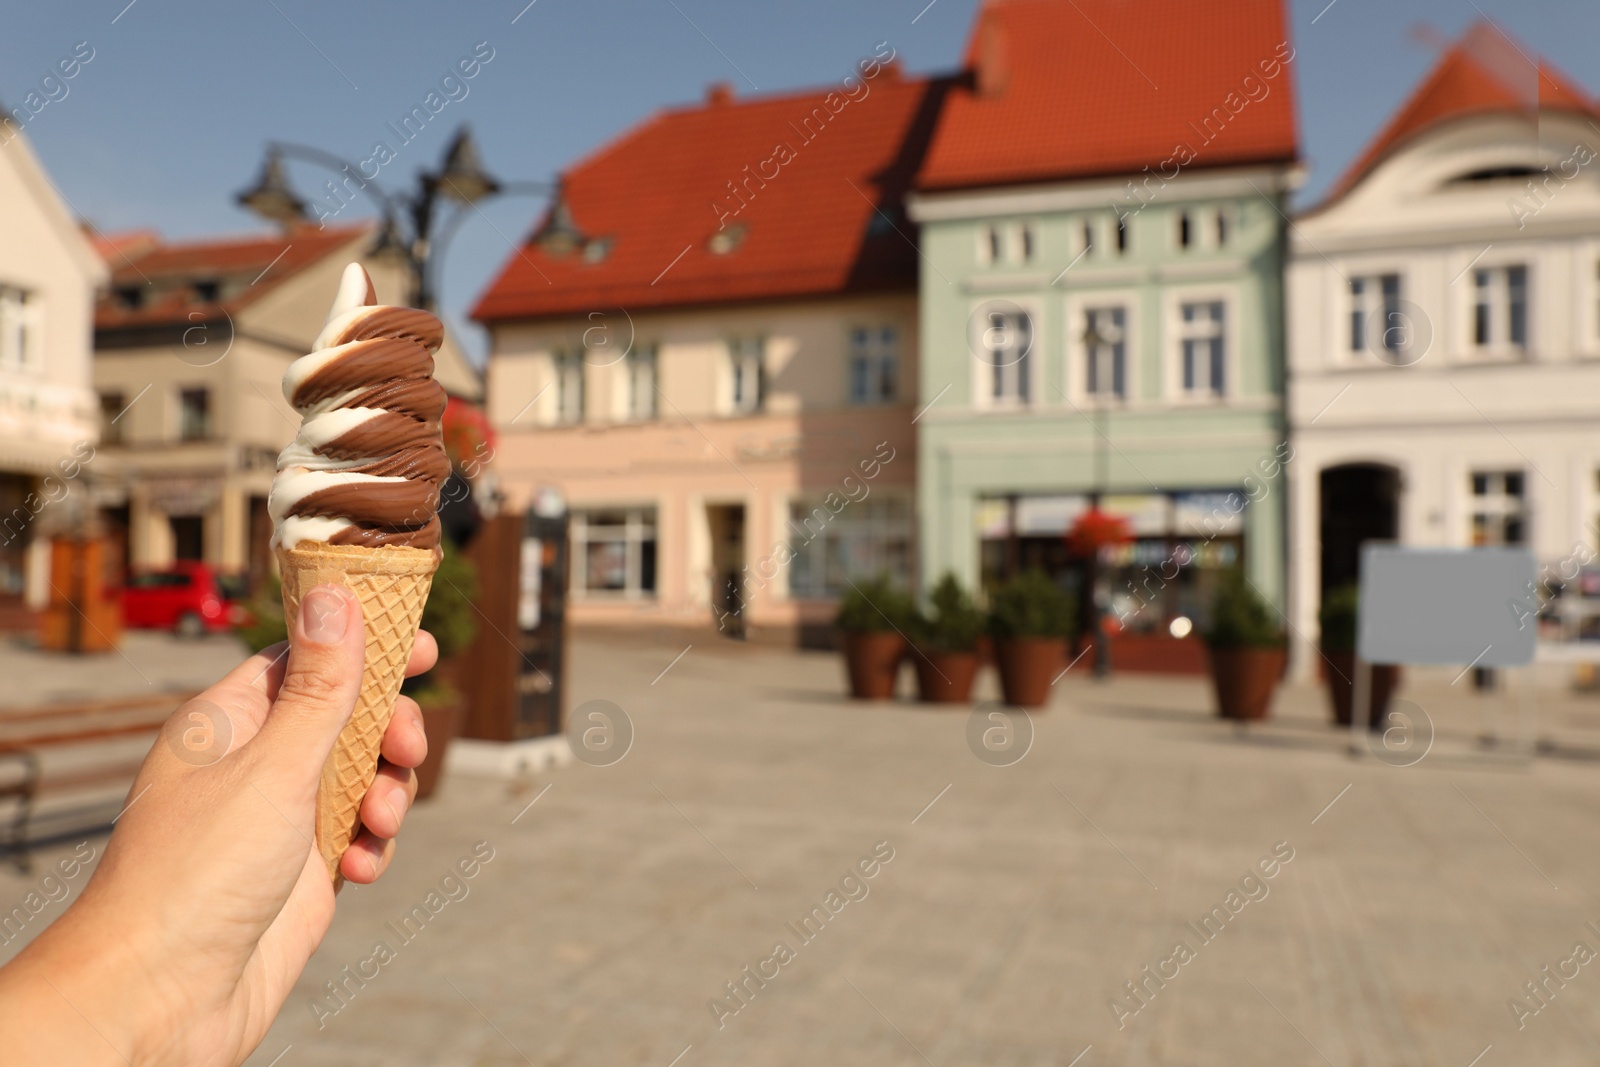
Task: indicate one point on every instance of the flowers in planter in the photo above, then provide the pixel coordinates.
(1094, 530)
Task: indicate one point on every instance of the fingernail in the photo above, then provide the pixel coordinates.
(324, 617)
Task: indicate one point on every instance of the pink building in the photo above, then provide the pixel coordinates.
(709, 349)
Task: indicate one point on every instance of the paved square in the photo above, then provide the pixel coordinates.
(1007, 906)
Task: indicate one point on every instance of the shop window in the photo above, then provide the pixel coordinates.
(614, 552)
(862, 539)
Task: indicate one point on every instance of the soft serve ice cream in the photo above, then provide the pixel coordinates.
(368, 463)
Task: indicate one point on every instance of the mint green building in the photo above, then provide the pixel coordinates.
(1103, 315)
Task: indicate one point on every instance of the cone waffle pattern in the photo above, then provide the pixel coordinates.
(392, 584)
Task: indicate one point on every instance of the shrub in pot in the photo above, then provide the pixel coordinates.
(1030, 619)
(872, 620)
(1245, 645)
(946, 638)
(1337, 619)
(450, 617)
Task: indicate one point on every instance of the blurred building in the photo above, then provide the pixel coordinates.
(1102, 220)
(1445, 327)
(710, 349)
(48, 417)
(191, 342)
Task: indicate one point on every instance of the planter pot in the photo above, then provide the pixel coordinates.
(1340, 671)
(1244, 679)
(1027, 666)
(872, 660)
(945, 677)
(440, 724)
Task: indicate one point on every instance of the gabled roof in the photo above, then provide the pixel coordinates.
(1061, 89)
(156, 283)
(1483, 73)
(737, 200)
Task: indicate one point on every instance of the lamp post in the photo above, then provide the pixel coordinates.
(412, 224)
(1093, 340)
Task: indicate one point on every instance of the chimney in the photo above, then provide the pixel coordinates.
(993, 66)
(719, 94)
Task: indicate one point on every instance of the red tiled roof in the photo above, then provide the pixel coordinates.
(165, 275)
(1081, 88)
(661, 192)
(1483, 73)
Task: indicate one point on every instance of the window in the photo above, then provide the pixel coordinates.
(1202, 333)
(1011, 242)
(1185, 230)
(1122, 233)
(1499, 509)
(569, 387)
(1222, 228)
(1007, 342)
(1105, 352)
(1500, 310)
(1377, 294)
(194, 414)
(747, 377)
(614, 552)
(19, 334)
(874, 359)
(867, 538)
(641, 366)
(1088, 236)
(206, 292)
(111, 408)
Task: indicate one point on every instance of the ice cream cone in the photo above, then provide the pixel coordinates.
(392, 584)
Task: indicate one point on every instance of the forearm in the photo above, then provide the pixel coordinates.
(70, 998)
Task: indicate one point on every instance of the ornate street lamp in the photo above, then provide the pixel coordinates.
(411, 228)
(1093, 341)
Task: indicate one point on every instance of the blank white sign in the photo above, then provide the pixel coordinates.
(1451, 606)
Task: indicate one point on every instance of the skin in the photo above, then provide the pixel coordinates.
(211, 895)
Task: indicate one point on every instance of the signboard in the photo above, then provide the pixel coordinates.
(1448, 606)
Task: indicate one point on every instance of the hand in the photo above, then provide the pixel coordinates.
(212, 895)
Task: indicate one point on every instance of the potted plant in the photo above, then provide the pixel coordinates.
(872, 620)
(1030, 619)
(1245, 645)
(946, 641)
(1337, 619)
(450, 617)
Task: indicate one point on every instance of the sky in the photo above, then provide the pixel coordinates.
(170, 116)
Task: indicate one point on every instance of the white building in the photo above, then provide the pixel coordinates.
(49, 417)
(1444, 318)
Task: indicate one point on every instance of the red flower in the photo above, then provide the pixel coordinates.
(1094, 530)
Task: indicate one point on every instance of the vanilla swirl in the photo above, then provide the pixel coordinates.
(368, 463)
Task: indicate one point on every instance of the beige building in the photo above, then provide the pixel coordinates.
(191, 342)
(48, 417)
(716, 368)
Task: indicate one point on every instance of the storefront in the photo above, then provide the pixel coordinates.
(1155, 589)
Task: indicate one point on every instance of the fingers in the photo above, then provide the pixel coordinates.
(424, 654)
(388, 799)
(367, 858)
(321, 681)
(405, 743)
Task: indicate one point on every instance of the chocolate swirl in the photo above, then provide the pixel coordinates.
(369, 460)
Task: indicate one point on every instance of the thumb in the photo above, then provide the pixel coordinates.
(327, 649)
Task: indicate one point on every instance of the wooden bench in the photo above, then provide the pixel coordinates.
(24, 733)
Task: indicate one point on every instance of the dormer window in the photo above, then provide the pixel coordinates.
(1497, 174)
(130, 297)
(206, 292)
(726, 240)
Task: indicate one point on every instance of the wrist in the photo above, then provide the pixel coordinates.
(75, 996)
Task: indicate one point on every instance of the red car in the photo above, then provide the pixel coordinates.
(187, 598)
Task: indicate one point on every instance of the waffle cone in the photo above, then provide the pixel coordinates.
(392, 584)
